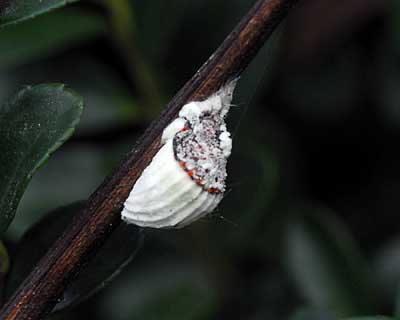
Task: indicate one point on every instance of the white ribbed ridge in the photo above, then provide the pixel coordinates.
(165, 196)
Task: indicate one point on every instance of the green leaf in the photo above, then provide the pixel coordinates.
(33, 124)
(327, 265)
(118, 250)
(13, 11)
(46, 35)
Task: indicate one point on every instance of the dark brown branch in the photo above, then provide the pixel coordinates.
(39, 292)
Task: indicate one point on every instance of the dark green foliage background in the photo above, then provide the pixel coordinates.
(310, 227)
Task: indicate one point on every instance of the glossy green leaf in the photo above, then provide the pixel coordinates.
(327, 265)
(118, 250)
(33, 124)
(48, 34)
(13, 11)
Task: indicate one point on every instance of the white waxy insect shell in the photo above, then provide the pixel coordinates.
(186, 178)
(165, 195)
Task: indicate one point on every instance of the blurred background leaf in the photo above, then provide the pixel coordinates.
(46, 35)
(33, 124)
(13, 11)
(327, 265)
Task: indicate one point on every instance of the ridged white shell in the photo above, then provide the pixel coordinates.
(165, 195)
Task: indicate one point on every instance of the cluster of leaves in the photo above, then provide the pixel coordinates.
(274, 254)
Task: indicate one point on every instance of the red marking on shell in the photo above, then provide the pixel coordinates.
(198, 181)
(213, 190)
(185, 128)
